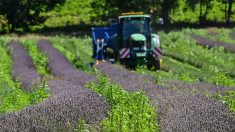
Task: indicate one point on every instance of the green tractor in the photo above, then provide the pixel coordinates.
(128, 40)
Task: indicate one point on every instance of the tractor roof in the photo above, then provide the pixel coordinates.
(133, 14)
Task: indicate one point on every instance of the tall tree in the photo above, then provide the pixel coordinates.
(204, 6)
(22, 13)
(229, 12)
(167, 6)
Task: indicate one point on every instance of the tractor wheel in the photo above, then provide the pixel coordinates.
(155, 66)
(132, 67)
(149, 67)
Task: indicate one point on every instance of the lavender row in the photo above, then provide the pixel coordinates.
(60, 112)
(200, 87)
(210, 43)
(61, 67)
(23, 69)
(69, 103)
(177, 110)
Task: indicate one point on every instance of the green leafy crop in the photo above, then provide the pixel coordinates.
(130, 111)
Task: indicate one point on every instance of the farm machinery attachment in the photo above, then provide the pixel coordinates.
(127, 40)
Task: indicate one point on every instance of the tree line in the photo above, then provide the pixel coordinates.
(166, 8)
(23, 13)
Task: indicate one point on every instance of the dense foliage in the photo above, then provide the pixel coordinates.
(130, 111)
(22, 13)
(173, 11)
(63, 13)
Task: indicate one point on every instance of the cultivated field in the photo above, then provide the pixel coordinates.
(47, 84)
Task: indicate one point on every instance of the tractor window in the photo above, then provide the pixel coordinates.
(135, 25)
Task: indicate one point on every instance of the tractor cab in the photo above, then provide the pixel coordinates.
(128, 40)
(134, 31)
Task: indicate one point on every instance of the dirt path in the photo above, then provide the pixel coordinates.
(177, 111)
(205, 42)
(23, 68)
(69, 103)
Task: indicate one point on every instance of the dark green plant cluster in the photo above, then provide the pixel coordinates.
(130, 111)
(227, 98)
(39, 59)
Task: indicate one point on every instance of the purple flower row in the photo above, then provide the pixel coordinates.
(69, 103)
(210, 43)
(23, 69)
(178, 109)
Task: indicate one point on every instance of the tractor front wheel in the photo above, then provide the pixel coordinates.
(156, 66)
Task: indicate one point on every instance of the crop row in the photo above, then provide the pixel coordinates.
(182, 71)
(220, 35)
(232, 34)
(40, 60)
(179, 45)
(177, 110)
(12, 97)
(210, 43)
(68, 103)
(189, 73)
(77, 50)
(72, 103)
(215, 65)
(23, 68)
(130, 111)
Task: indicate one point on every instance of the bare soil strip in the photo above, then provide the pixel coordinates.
(69, 103)
(23, 69)
(210, 43)
(177, 110)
